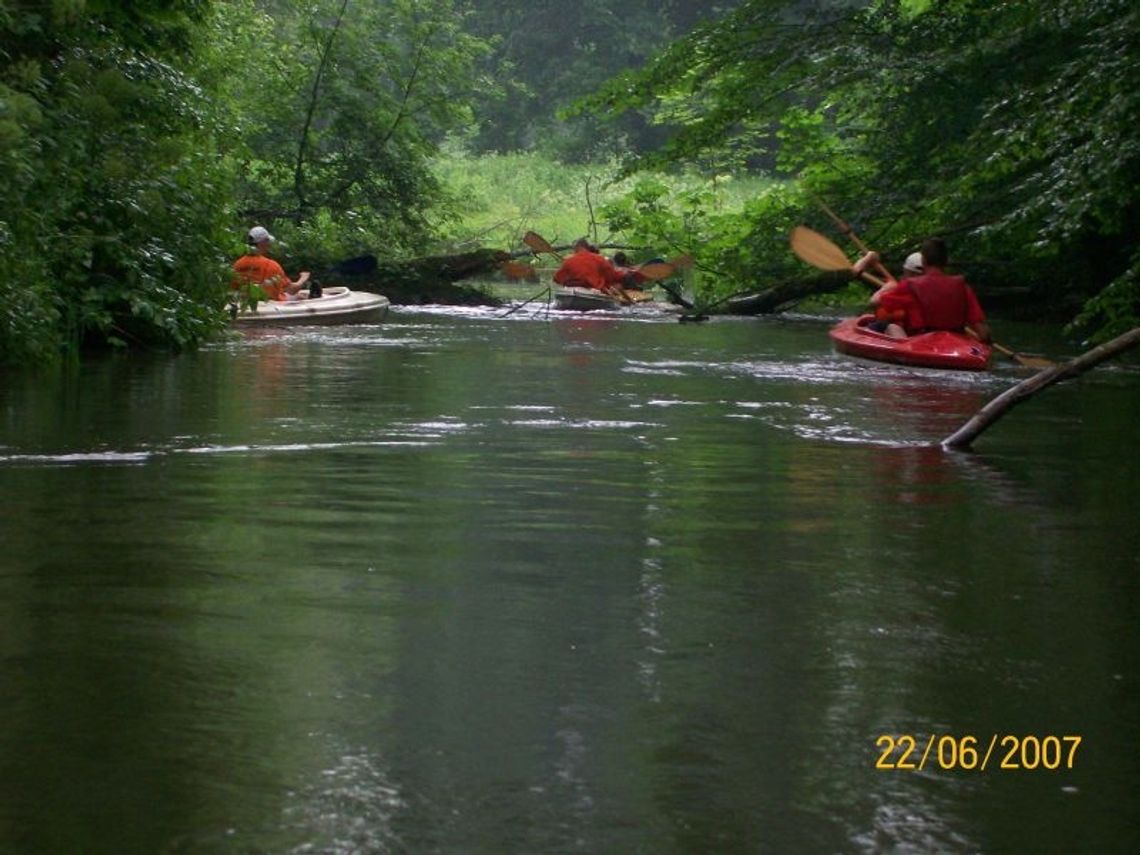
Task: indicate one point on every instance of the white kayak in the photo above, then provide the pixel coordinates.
(336, 305)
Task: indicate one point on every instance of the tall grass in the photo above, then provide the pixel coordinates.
(498, 197)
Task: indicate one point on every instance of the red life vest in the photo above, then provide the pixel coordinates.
(942, 299)
(587, 269)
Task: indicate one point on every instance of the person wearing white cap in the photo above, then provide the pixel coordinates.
(926, 299)
(257, 268)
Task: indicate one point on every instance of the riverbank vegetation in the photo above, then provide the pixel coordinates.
(139, 141)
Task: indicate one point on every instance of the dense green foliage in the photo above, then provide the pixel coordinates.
(138, 142)
(548, 53)
(341, 117)
(504, 195)
(109, 179)
(1011, 128)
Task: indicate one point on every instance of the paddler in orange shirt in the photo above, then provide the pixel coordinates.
(257, 268)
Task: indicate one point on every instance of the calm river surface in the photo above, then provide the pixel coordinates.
(460, 582)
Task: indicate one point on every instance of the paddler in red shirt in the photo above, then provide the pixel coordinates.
(930, 300)
(587, 268)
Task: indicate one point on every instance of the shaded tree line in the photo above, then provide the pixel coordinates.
(546, 54)
(138, 141)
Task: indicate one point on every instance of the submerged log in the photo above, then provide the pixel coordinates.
(1007, 400)
(415, 281)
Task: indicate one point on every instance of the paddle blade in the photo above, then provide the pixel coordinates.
(1036, 362)
(518, 270)
(537, 242)
(634, 295)
(657, 270)
(682, 262)
(818, 251)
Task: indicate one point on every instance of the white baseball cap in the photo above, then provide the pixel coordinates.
(259, 234)
(912, 264)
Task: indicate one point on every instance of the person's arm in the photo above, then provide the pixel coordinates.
(976, 318)
(293, 286)
(860, 267)
(887, 289)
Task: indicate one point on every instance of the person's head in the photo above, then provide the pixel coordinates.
(934, 253)
(582, 245)
(913, 263)
(621, 260)
(259, 238)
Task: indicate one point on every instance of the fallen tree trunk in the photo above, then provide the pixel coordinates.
(772, 299)
(415, 281)
(1007, 400)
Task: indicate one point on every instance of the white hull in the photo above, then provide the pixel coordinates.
(337, 305)
(584, 300)
(590, 299)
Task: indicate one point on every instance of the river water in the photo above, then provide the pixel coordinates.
(543, 583)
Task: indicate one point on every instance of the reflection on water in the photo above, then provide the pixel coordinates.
(551, 583)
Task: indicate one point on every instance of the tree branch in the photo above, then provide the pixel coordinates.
(314, 98)
(1007, 400)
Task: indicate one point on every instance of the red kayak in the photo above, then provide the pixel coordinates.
(940, 349)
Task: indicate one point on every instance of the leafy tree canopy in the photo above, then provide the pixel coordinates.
(1011, 128)
(110, 183)
(548, 53)
(138, 140)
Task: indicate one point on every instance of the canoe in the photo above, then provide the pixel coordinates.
(336, 305)
(584, 300)
(590, 299)
(940, 349)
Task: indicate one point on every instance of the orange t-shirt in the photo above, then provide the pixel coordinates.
(263, 271)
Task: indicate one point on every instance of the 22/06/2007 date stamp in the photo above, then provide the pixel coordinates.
(907, 753)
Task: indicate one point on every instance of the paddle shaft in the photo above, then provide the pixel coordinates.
(545, 290)
(847, 230)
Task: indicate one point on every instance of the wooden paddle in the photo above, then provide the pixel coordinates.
(538, 243)
(636, 295)
(847, 230)
(819, 251)
(657, 271)
(1037, 362)
(518, 270)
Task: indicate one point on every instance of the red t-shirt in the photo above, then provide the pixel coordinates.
(585, 269)
(263, 271)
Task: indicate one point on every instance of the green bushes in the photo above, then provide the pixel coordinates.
(113, 201)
